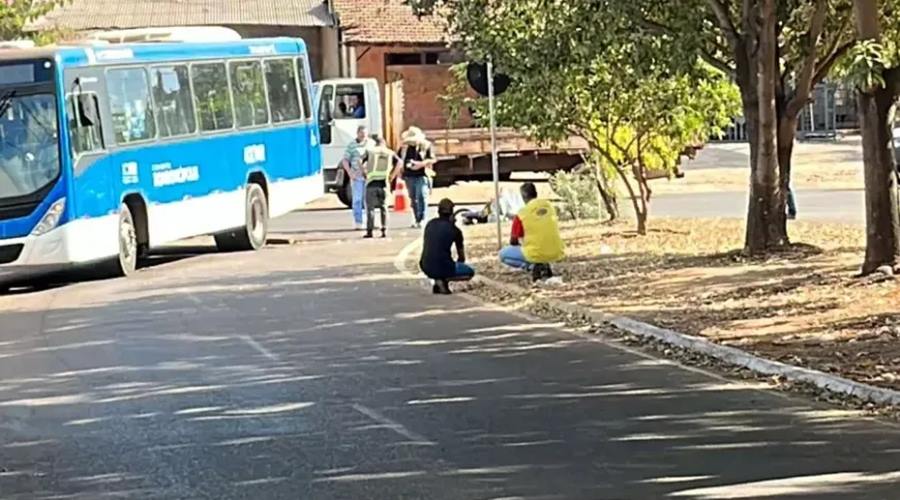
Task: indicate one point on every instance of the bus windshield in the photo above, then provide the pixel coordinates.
(29, 150)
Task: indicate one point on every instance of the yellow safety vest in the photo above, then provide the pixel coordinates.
(542, 243)
(379, 164)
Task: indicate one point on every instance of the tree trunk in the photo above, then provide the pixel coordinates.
(882, 217)
(609, 202)
(607, 193)
(765, 217)
(639, 207)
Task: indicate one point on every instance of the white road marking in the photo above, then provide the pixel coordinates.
(262, 350)
(394, 426)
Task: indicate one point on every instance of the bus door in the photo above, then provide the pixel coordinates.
(92, 182)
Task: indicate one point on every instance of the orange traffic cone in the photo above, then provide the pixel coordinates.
(400, 196)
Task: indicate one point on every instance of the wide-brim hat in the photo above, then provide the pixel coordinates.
(413, 135)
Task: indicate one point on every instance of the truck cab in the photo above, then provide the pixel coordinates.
(343, 105)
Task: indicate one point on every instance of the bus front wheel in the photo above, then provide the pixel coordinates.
(126, 262)
(256, 227)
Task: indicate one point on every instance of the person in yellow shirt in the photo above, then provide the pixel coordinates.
(534, 242)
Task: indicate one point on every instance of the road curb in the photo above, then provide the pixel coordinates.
(730, 355)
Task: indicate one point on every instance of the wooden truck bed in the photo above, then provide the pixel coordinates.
(467, 142)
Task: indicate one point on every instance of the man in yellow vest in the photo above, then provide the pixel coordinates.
(378, 166)
(534, 243)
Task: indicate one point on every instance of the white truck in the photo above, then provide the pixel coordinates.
(463, 154)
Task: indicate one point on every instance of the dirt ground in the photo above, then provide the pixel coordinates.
(804, 307)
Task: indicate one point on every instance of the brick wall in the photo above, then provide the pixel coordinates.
(422, 84)
(422, 87)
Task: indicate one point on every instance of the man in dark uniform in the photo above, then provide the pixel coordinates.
(441, 234)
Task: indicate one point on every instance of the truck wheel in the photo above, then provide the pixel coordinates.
(345, 194)
(256, 226)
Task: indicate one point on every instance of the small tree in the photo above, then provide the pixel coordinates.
(577, 71)
(16, 15)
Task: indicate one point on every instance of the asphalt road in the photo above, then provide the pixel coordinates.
(315, 371)
(819, 205)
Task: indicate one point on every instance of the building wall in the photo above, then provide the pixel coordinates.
(421, 84)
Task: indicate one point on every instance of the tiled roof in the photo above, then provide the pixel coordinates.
(83, 15)
(386, 22)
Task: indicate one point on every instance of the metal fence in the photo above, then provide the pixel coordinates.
(833, 108)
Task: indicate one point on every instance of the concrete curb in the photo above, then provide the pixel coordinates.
(730, 355)
(704, 346)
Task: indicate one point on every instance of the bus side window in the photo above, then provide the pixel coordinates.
(172, 100)
(282, 84)
(129, 102)
(85, 133)
(211, 96)
(250, 105)
(304, 87)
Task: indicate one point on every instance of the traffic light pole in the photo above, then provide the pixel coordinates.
(495, 168)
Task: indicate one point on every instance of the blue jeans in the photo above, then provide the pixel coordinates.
(791, 203)
(513, 256)
(417, 198)
(359, 193)
(464, 272)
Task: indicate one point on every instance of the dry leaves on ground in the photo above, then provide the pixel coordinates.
(804, 306)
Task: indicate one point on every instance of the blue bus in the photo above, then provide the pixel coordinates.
(109, 151)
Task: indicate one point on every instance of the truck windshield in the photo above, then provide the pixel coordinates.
(29, 150)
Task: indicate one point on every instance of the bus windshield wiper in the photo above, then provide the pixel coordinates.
(6, 101)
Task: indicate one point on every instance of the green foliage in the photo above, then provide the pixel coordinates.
(579, 69)
(15, 16)
(577, 191)
(865, 65)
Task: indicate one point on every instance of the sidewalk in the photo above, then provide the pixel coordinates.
(804, 308)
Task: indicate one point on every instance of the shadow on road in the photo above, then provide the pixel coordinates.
(95, 272)
(412, 396)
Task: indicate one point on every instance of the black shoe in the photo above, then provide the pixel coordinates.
(383, 234)
(537, 272)
(547, 272)
(441, 287)
(368, 235)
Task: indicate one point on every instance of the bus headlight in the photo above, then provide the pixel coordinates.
(50, 219)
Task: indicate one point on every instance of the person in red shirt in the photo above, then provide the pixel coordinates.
(512, 255)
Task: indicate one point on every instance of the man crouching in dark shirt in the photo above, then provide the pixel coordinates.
(437, 262)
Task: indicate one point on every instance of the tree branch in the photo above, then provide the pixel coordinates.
(808, 66)
(826, 64)
(717, 63)
(725, 23)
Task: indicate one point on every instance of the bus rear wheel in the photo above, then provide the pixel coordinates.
(256, 227)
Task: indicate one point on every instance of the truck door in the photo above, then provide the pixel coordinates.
(331, 149)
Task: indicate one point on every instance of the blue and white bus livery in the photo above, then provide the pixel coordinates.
(108, 151)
